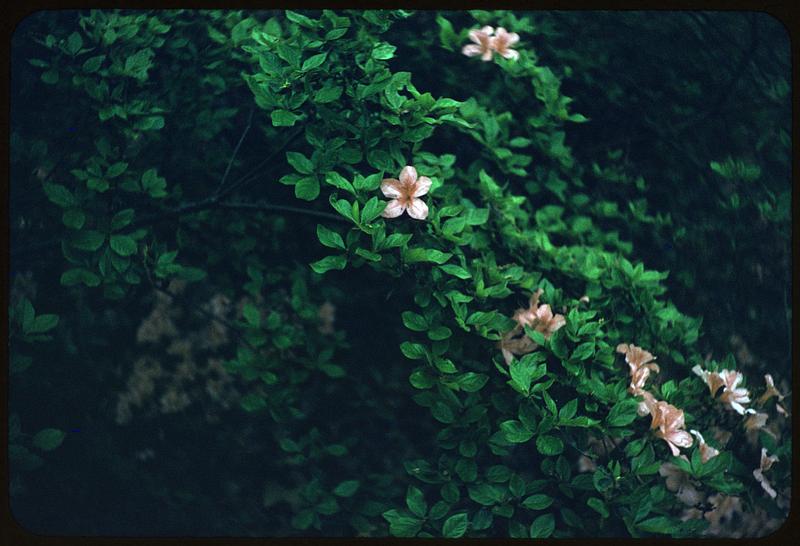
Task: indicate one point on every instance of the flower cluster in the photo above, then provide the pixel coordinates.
(538, 317)
(487, 41)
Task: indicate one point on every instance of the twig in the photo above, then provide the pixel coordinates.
(235, 151)
(267, 207)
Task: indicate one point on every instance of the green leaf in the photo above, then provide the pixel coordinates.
(251, 315)
(329, 262)
(335, 179)
(73, 218)
(402, 525)
(122, 219)
(549, 445)
(347, 488)
(583, 351)
(372, 209)
(417, 254)
(116, 169)
(307, 188)
(456, 271)
(455, 526)
(442, 413)
(658, 524)
(89, 240)
(472, 382)
(415, 501)
(42, 324)
(92, 64)
(622, 413)
(537, 502)
(329, 238)
(414, 351)
(328, 94)
(74, 276)
(543, 526)
(283, 118)
(48, 439)
(252, 403)
(439, 333)
(598, 505)
(486, 494)
(383, 51)
(313, 62)
(414, 322)
(59, 195)
(123, 245)
(301, 163)
(74, 43)
(515, 432)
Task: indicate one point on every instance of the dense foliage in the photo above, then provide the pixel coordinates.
(241, 327)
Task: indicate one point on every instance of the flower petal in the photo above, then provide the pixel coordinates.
(470, 50)
(391, 188)
(512, 39)
(408, 176)
(418, 209)
(487, 55)
(510, 54)
(393, 209)
(487, 30)
(423, 186)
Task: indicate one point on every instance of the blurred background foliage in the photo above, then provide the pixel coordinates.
(127, 412)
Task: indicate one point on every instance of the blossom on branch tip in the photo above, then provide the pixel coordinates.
(405, 194)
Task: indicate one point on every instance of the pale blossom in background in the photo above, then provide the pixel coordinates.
(770, 392)
(405, 194)
(483, 43)
(677, 481)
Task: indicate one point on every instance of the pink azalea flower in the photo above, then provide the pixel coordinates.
(483, 45)
(405, 194)
(669, 420)
(712, 379)
(502, 41)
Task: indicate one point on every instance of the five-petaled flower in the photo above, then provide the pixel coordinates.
(405, 194)
(669, 420)
(538, 317)
(483, 43)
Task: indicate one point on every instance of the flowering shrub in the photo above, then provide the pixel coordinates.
(251, 158)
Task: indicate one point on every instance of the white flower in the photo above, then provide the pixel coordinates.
(502, 42)
(405, 194)
(758, 473)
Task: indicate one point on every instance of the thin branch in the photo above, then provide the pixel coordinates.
(252, 174)
(235, 151)
(266, 207)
